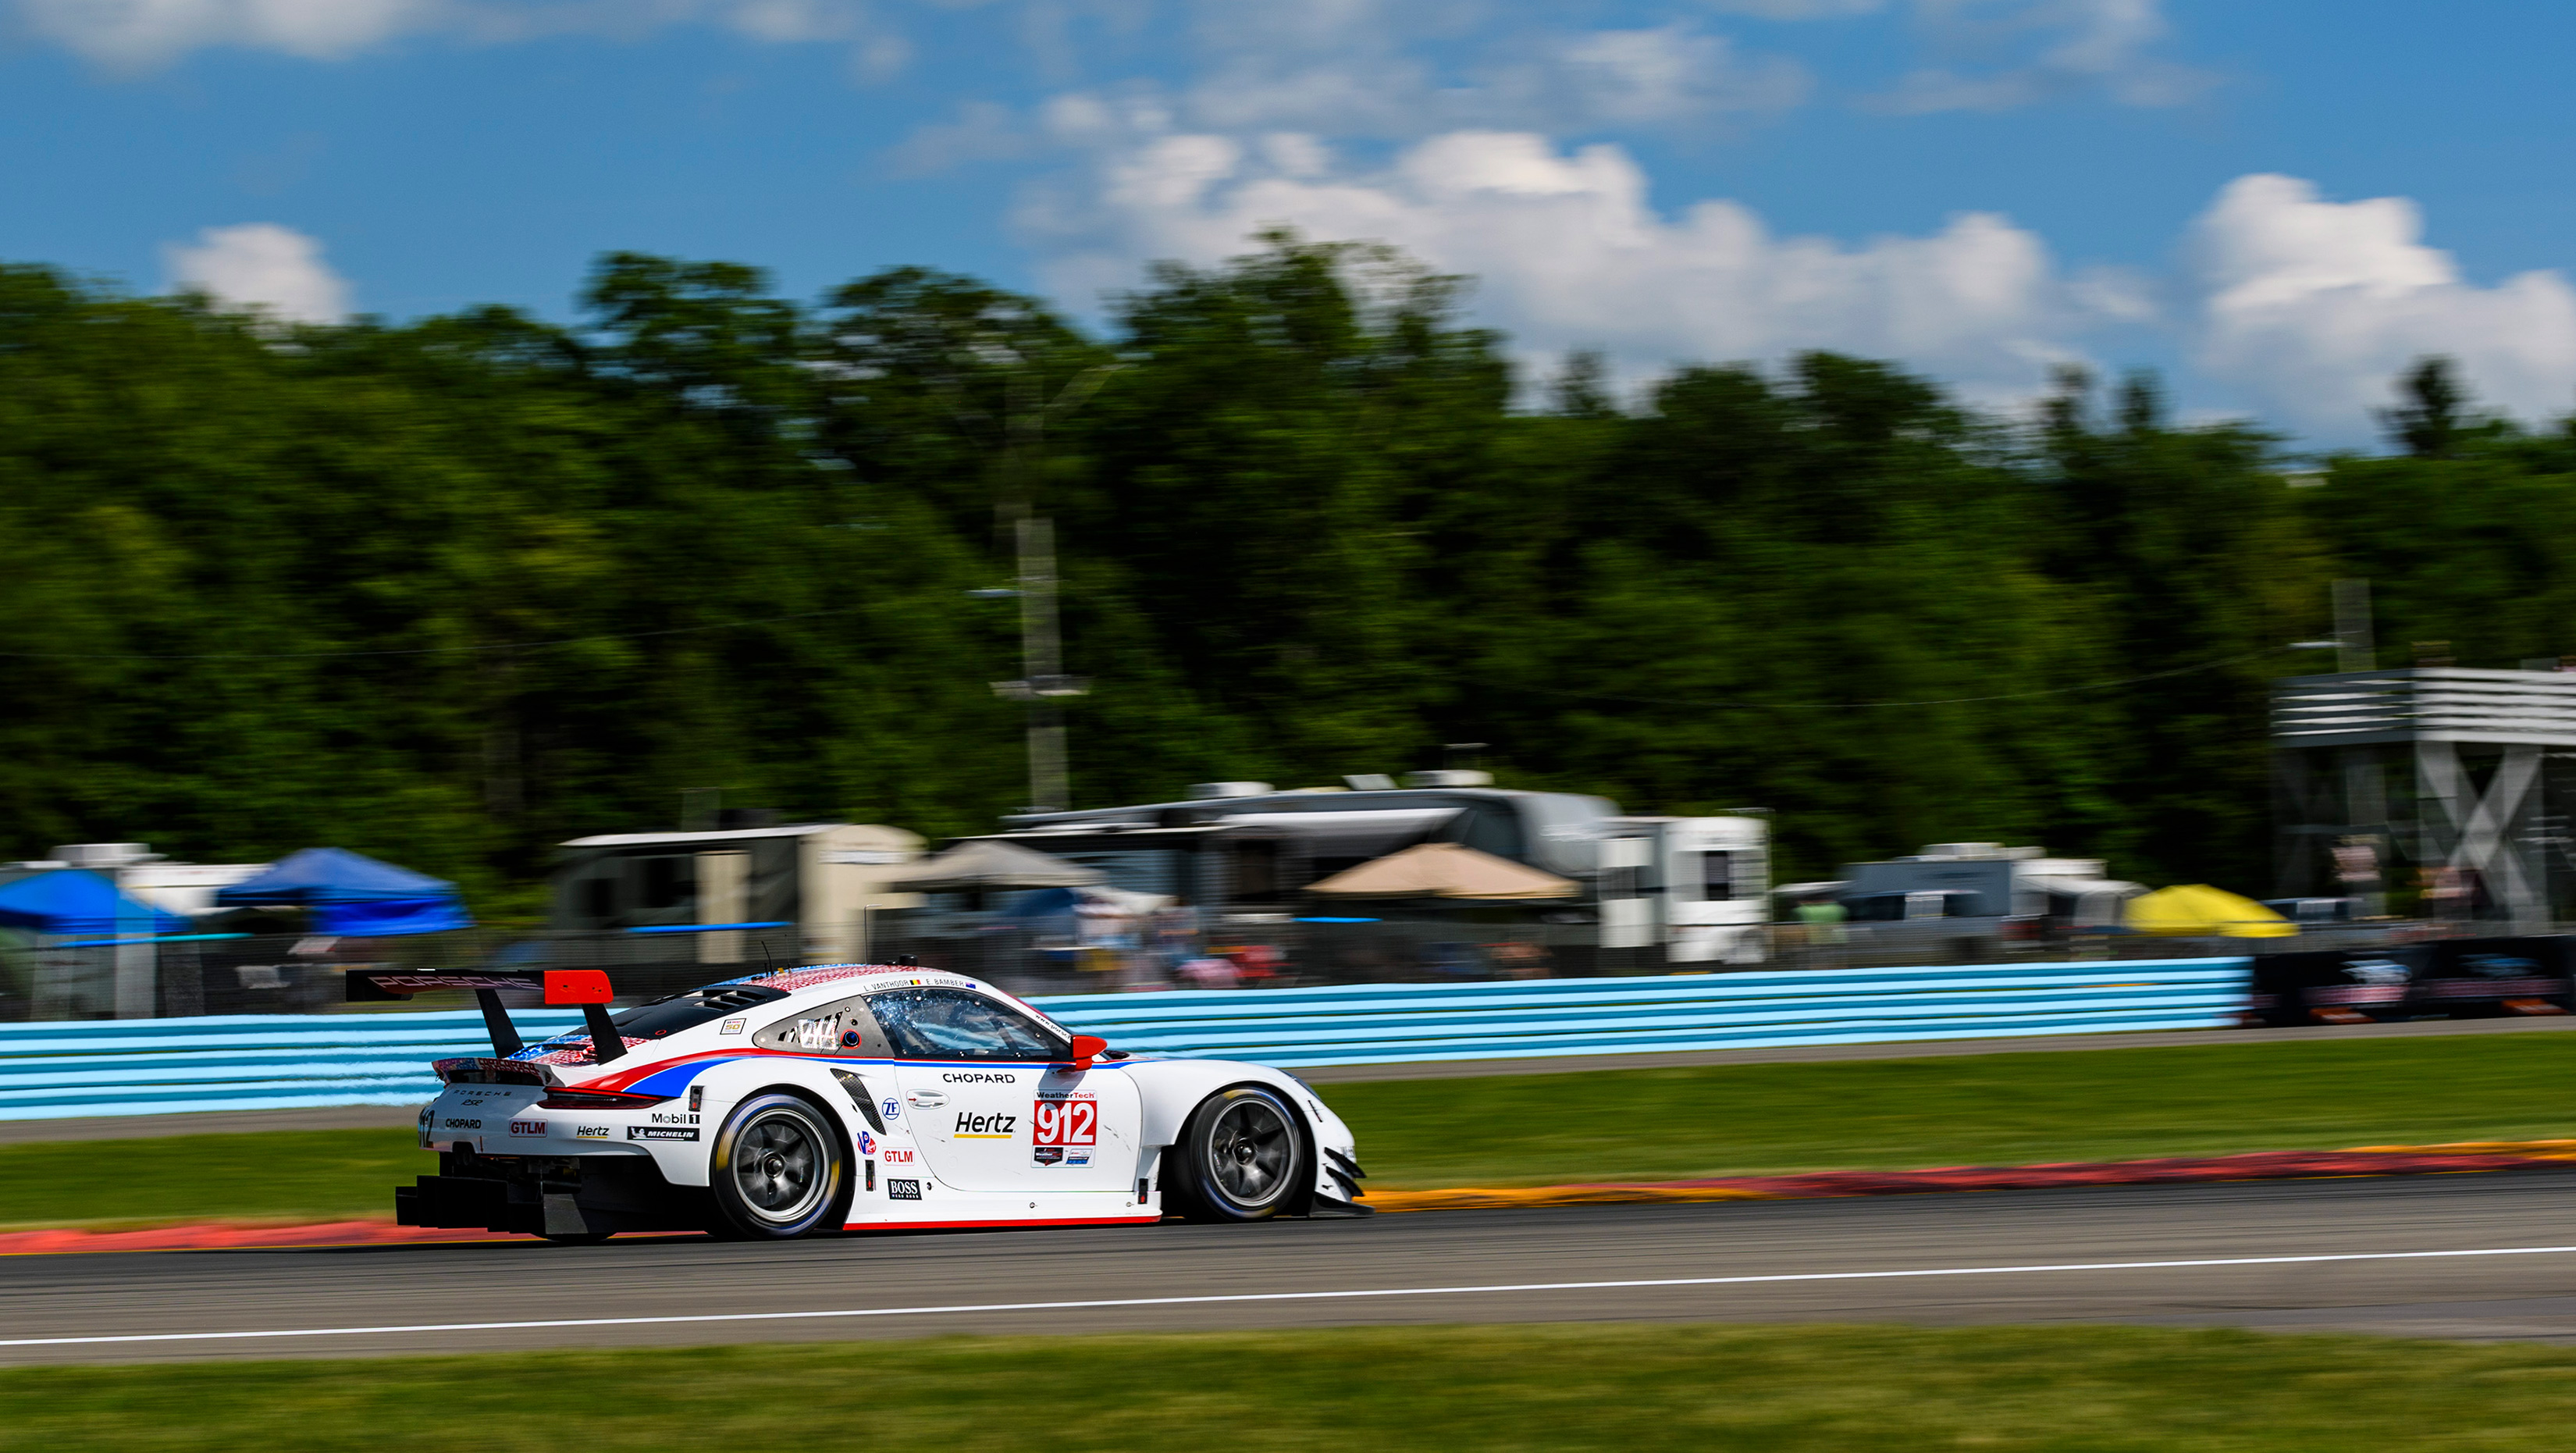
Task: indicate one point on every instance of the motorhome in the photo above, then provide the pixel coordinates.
(742, 893)
(1682, 890)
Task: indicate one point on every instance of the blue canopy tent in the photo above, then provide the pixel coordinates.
(351, 895)
(77, 903)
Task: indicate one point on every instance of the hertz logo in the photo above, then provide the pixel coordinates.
(971, 1126)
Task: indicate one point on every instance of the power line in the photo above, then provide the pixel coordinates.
(426, 650)
(1867, 705)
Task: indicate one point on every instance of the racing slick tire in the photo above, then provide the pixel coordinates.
(780, 1170)
(1243, 1156)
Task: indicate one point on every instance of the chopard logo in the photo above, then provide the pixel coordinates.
(979, 1079)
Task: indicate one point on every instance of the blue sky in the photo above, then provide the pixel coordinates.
(2276, 205)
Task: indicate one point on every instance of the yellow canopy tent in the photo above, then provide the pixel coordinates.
(1445, 870)
(2198, 910)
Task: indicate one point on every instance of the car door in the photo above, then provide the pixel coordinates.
(994, 1103)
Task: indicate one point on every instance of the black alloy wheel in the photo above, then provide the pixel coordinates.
(779, 1170)
(1242, 1157)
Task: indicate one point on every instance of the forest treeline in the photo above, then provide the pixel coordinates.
(453, 590)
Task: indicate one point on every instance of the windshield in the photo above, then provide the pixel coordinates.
(687, 1011)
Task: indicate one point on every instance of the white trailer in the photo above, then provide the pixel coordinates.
(1699, 888)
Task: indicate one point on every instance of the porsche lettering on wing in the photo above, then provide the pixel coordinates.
(973, 1125)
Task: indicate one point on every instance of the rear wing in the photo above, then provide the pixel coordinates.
(588, 988)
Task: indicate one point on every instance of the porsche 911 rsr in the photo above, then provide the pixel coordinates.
(849, 1097)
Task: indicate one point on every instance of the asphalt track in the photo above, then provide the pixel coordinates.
(2472, 1256)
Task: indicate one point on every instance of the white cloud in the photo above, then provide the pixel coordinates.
(261, 267)
(134, 33)
(2038, 50)
(1643, 77)
(1797, 9)
(1568, 253)
(2314, 306)
(138, 34)
(2306, 309)
(1661, 77)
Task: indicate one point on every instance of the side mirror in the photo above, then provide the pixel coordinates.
(1086, 1048)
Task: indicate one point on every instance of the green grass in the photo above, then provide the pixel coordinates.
(1626, 1387)
(303, 1175)
(1999, 1109)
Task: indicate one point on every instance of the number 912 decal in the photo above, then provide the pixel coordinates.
(1063, 1129)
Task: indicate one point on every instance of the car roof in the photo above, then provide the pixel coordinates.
(833, 981)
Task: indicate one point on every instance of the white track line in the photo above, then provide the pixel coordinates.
(1543, 1286)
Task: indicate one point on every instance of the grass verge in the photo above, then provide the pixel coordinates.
(1999, 1109)
(301, 1175)
(1662, 1124)
(1786, 1389)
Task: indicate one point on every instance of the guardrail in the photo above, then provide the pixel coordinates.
(1392, 1023)
(282, 1061)
(238, 1061)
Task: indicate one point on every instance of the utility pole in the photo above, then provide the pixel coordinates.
(1042, 684)
(2355, 650)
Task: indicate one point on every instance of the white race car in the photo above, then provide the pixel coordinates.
(849, 1097)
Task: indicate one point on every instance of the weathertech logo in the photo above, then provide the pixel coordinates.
(971, 1126)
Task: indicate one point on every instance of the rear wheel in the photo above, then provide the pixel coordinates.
(779, 1170)
(1242, 1157)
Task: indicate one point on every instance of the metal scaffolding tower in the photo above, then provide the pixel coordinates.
(2479, 743)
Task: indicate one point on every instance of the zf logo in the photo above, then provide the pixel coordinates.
(986, 1127)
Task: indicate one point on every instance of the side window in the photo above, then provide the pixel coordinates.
(845, 1027)
(953, 1024)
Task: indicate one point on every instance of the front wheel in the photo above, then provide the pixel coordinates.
(779, 1170)
(1240, 1158)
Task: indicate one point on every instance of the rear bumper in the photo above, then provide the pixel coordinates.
(553, 1197)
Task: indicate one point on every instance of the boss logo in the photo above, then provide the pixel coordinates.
(902, 1190)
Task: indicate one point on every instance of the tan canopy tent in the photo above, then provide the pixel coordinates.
(982, 864)
(1445, 870)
